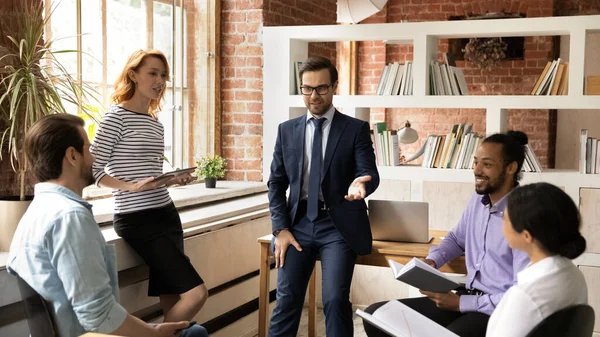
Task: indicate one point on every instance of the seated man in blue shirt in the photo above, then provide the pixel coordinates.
(58, 248)
(492, 266)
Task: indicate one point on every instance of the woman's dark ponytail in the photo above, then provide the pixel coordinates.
(573, 248)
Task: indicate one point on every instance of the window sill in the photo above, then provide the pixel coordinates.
(239, 201)
(186, 196)
(198, 221)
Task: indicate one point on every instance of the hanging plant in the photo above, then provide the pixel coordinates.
(485, 52)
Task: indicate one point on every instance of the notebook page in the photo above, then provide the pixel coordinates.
(380, 324)
(408, 322)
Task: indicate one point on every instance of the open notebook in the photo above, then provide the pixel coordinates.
(422, 276)
(399, 320)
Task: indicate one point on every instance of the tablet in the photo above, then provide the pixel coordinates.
(175, 173)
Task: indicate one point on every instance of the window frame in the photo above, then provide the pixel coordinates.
(202, 18)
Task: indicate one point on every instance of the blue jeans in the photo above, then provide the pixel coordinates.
(195, 331)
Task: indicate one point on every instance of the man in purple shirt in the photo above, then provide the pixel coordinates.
(492, 266)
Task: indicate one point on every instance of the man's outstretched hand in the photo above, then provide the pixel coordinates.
(357, 190)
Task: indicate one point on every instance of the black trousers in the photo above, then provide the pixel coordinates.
(157, 236)
(470, 324)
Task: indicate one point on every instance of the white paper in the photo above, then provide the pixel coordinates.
(400, 320)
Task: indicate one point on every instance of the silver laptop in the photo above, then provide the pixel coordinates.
(405, 221)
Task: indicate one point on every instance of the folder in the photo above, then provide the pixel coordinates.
(422, 276)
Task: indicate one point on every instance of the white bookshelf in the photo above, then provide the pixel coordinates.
(464, 102)
(284, 45)
(557, 177)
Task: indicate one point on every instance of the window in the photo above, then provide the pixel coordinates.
(108, 31)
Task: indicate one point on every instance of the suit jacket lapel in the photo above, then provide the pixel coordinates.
(338, 124)
(298, 136)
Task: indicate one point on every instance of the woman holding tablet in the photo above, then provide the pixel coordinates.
(129, 150)
(543, 221)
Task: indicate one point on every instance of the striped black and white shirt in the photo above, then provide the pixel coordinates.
(129, 146)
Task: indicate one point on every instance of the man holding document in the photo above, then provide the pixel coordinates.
(492, 266)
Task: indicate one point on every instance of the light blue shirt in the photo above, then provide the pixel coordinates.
(59, 251)
(309, 135)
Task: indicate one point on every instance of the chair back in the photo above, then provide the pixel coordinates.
(575, 321)
(37, 310)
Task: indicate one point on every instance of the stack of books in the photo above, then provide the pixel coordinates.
(446, 79)
(396, 79)
(554, 80)
(531, 163)
(592, 85)
(589, 154)
(387, 149)
(297, 79)
(456, 150)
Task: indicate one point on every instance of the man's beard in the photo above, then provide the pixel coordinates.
(88, 176)
(491, 185)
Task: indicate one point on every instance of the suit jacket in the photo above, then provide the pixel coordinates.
(349, 154)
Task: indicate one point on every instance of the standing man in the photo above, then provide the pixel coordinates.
(492, 266)
(327, 161)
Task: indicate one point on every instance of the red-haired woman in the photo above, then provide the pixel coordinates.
(129, 150)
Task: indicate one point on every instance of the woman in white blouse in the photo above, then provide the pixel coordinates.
(543, 221)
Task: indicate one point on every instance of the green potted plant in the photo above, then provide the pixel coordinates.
(33, 84)
(210, 168)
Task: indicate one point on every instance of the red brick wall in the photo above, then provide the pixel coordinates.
(371, 60)
(241, 72)
(509, 78)
(302, 13)
(576, 7)
(241, 88)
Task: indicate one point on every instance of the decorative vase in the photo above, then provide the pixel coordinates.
(210, 182)
(10, 215)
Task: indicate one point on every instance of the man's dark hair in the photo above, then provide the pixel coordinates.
(47, 141)
(549, 215)
(513, 149)
(317, 63)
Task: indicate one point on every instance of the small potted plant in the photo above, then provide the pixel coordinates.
(210, 168)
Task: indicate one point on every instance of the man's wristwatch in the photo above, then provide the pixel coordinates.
(277, 231)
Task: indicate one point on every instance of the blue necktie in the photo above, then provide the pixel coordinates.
(314, 178)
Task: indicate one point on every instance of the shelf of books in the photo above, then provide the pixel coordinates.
(471, 102)
(554, 80)
(589, 154)
(427, 82)
(419, 173)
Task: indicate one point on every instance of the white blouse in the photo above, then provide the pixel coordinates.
(542, 289)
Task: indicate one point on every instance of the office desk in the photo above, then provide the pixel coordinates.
(382, 251)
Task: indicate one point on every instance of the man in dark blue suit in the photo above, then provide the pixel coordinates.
(325, 214)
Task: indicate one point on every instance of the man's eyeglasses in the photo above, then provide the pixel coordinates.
(321, 90)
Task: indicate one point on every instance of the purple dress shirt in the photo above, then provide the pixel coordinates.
(492, 266)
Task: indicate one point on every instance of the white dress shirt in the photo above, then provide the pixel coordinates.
(543, 288)
(308, 140)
